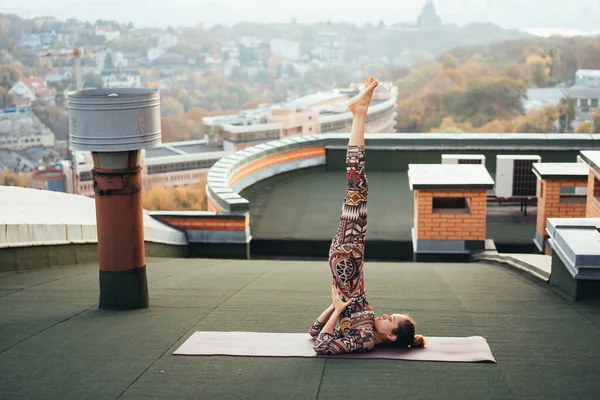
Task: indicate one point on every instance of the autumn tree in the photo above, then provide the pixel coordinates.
(486, 100)
(254, 103)
(170, 107)
(187, 198)
(158, 198)
(449, 61)
(539, 120)
(596, 122)
(8, 178)
(586, 127)
(566, 114)
(167, 131)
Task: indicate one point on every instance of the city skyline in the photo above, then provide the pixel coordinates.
(557, 16)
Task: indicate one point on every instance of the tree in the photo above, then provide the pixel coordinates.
(449, 61)
(8, 178)
(597, 122)
(196, 114)
(486, 100)
(158, 198)
(540, 69)
(170, 107)
(167, 131)
(586, 127)
(566, 114)
(108, 61)
(255, 103)
(539, 120)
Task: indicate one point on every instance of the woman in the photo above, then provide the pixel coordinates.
(359, 329)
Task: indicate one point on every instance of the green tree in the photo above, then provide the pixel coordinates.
(108, 61)
(486, 100)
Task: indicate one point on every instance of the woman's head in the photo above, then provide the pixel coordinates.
(398, 330)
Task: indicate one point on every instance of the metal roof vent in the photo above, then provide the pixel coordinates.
(114, 120)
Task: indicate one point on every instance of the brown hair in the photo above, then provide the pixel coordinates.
(405, 335)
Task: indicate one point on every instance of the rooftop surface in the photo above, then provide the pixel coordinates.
(56, 344)
(180, 148)
(307, 204)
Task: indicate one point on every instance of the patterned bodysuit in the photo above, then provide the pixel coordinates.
(346, 255)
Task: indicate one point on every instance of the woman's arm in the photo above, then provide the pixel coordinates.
(330, 325)
(317, 327)
(352, 340)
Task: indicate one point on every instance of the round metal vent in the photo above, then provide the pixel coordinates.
(114, 120)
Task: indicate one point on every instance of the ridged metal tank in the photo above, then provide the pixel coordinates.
(114, 120)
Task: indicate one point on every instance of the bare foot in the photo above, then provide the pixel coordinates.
(360, 103)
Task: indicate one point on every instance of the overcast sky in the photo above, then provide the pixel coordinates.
(522, 14)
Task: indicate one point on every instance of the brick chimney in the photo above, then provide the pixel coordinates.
(450, 207)
(562, 189)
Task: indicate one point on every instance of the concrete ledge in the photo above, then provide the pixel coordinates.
(226, 199)
(538, 240)
(538, 266)
(46, 218)
(39, 257)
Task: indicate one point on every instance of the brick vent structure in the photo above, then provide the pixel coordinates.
(450, 203)
(560, 195)
(467, 222)
(593, 197)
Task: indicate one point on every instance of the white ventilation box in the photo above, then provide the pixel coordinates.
(515, 177)
(463, 159)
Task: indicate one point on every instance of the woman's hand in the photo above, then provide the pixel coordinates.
(337, 301)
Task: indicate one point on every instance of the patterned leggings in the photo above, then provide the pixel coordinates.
(346, 253)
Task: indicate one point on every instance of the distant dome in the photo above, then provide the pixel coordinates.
(429, 17)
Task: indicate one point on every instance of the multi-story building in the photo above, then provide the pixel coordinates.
(316, 113)
(22, 130)
(331, 47)
(170, 165)
(286, 49)
(587, 78)
(32, 89)
(116, 78)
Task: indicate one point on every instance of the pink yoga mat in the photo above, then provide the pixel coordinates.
(257, 344)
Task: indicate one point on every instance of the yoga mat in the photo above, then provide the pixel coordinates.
(257, 344)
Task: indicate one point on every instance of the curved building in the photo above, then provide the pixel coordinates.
(321, 112)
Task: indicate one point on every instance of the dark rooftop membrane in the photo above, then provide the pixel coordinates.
(306, 205)
(56, 344)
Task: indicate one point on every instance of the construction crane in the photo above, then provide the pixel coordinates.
(76, 54)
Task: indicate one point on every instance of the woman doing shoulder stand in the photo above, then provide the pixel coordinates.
(359, 330)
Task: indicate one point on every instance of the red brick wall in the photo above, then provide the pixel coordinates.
(549, 205)
(593, 205)
(207, 224)
(432, 226)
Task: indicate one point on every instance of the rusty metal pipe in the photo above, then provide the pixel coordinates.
(120, 225)
(115, 125)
